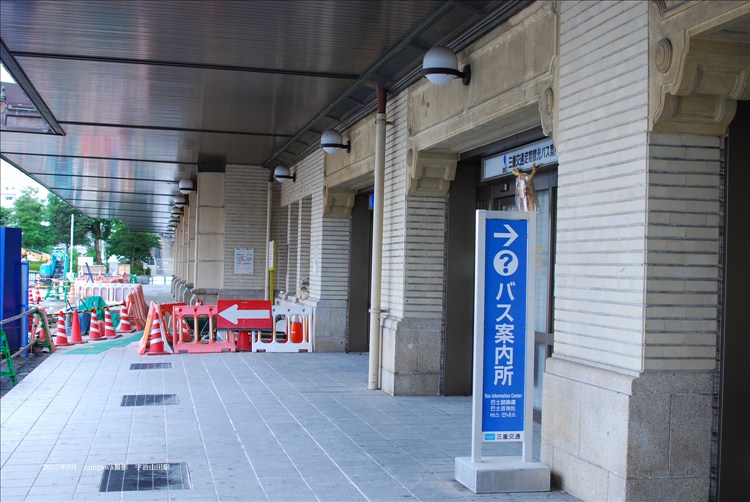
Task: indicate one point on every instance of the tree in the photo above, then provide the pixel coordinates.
(57, 213)
(129, 245)
(5, 215)
(28, 212)
(98, 229)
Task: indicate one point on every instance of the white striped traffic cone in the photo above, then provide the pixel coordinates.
(125, 326)
(95, 333)
(156, 343)
(61, 340)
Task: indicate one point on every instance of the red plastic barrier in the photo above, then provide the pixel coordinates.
(204, 339)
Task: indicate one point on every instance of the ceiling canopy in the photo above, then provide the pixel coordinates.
(138, 94)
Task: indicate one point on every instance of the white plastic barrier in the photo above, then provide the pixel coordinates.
(111, 292)
(293, 331)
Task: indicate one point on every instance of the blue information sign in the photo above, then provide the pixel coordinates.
(504, 330)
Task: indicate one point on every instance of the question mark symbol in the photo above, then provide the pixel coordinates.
(505, 263)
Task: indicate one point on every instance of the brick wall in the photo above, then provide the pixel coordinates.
(683, 252)
(246, 194)
(603, 176)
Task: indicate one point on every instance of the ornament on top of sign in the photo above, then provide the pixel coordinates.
(525, 192)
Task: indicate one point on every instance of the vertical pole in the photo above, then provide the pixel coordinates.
(478, 370)
(377, 242)
(268, 240)
(70, 266)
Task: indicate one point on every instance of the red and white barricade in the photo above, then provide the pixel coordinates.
(205, 337)
(291, 332)
(111, 292)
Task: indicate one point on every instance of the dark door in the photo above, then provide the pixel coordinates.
(359, 275)
(464, 198)
(734, 433)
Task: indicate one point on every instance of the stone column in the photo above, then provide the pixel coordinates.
(208, 268)
(627, 400)
(292, 230)
(412, 342)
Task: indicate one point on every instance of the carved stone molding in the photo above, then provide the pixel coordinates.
(338, 203)
(546, 110)
(700, 53)
(430, 173)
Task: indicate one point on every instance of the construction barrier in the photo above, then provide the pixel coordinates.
(165, 316)
(163, 313)
(40, 336)
(112, 292)
(244, 319)
(137, 308)
(291, 331)
(202, 337)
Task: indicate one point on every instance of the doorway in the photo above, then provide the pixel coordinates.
(360, 268)
(467, 194)
(734, 383)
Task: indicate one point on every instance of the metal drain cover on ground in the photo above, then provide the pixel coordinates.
(151, 366)
(143, 477)
(149, 399)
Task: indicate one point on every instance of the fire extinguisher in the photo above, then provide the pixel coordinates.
(295, 328)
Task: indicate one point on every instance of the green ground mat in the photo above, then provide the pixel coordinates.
(99, 347)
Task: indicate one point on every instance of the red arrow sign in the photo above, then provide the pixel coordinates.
(244, 314)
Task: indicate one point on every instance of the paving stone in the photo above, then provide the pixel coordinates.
(250, 427)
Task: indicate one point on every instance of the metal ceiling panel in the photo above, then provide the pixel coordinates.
(144, 90)
(326, 36)
(198, 99)
(142, 144)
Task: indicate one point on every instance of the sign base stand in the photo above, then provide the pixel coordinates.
(502, 474)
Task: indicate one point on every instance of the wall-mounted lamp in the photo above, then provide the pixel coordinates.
(281, 174)
(179, 200)
(332, 142)
(440, 66)
(176, 210)
(185, 186)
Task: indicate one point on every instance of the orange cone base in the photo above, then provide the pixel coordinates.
(79, 343)
(158, 354)
(112, 337)
(67, 343)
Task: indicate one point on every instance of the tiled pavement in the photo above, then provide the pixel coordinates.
(277, 427)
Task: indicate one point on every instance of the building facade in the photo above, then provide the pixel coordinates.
(639, 265)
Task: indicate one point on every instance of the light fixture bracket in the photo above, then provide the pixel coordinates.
(464, 75)
(342, 146)
(281, 174)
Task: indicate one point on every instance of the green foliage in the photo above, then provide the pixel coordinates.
(27, 212)
(136, 268)
(131, 246)
(57, 212)
(5, 214)
(97, 229)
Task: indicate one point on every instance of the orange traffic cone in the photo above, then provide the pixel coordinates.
(37, 296)
(109, 328)
(95, 333)
(61, 340)
(75, 328)
(187, 333)
(243, 342)
(39, 334)
(125, 326)
(31, 296)
(156, 343)
(198, 302)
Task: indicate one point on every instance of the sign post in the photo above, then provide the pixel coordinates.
(503, 389)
